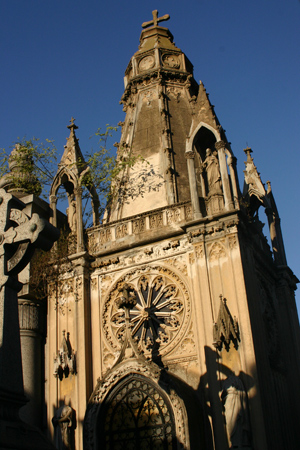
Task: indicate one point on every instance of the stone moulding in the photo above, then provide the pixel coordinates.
(139, 226)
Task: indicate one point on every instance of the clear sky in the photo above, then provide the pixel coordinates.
(63, 58)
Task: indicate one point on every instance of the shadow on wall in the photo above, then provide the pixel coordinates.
(138, 410)
(227, 402)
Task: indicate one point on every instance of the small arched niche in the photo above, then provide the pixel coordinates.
(204, 139)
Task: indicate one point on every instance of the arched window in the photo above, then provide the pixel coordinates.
(136, 416)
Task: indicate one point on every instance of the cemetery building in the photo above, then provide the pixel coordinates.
(173, 325)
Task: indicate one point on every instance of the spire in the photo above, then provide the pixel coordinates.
(204, 110)
(253, 185)
(71, 172)
(72, 155)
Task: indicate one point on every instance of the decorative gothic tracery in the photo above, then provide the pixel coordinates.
(160, 314)
(137, 415)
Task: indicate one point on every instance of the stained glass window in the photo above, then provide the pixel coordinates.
(136, 416)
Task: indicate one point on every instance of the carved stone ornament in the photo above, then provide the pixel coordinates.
(65, 360)
(147, 63)
(161, 315)
(217, 251)
(171, 60)
(226, 328)
(139, 388)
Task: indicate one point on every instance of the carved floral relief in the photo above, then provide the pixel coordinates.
(171, 60)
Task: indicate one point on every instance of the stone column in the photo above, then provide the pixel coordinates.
(231, 161)
(193, 185)
(32, 360)
(220, 147)
(53, 202)
(80, 243)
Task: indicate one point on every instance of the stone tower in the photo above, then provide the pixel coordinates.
(175, 325)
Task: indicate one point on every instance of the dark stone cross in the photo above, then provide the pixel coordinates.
(155, 20)
(19, 237)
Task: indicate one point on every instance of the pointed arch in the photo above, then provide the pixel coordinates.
(148, 406)
(191, 139)
(63, 176)
(136, 413)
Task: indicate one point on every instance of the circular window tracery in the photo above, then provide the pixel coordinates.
(160, 315)
(136, 416)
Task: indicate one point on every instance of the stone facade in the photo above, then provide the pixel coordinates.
(174, 323)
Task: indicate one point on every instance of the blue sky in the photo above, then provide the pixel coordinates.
(67, 58)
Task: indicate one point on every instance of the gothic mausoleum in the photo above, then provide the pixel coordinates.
(173, 324)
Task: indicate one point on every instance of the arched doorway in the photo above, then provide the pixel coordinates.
(136, 415)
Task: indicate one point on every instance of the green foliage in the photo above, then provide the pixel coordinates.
(31, 165)
(102, 163)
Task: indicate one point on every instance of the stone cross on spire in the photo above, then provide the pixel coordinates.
(155, 20)
(72, 125)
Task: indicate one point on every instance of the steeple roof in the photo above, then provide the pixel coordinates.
(72, 155)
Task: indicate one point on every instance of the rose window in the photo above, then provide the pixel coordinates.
(159, 315)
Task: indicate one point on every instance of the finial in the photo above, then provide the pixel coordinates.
(72, 124)
(223, 300)
(155, 20)
(248, 152)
